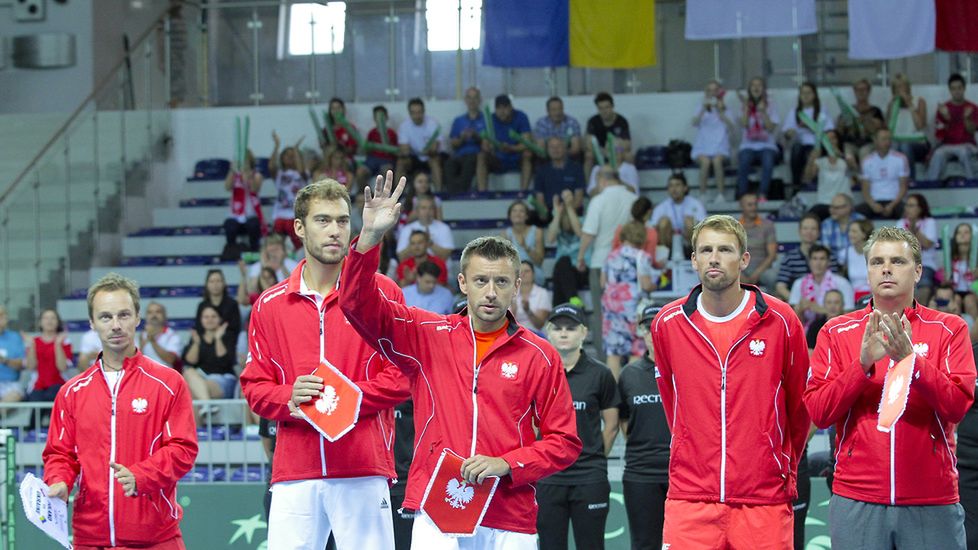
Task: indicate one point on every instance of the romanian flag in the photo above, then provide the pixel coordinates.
(610, 34)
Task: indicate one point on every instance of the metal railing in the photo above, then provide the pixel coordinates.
(230, 450)
(54, 213)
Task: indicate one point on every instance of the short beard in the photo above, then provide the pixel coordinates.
(319, 257)
(717, 285)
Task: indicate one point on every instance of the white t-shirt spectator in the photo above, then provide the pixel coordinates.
(540, 300)
(677, 212)
(627, 173)
(605, 212)
(830, 281)
(439, 232)
(884, 173)
(417, 136)
(858, 273)
(832, 179)
(806, 136)
(755, 137)
(90, 343)
(928, 227)
(288, 264)
(168, 340)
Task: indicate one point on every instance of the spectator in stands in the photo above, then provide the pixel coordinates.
(556, 174)
(762, 244)
(157, 340)
(420, 142)
(345, 137)
(503, 151)
(835, 229)
(645, 480)
(856, 132)
(245, 216)
(759, 120)
(798, 132)
(711, 148)
(954, 129)
(532, 305)
(527, 239)
(465, 138)
(442, 241)
(677, 216)
(377, 161)
(89, 348)
(626, 277)
(418, 254)
(641, 213)
(335, 166)
(420, 187)
(266, 279)
(557, 124)
(907, 123)
(273, 257)
(428, 292)
(947, 300)
(289, 171)
(11, 361)
(885, 178)
(917, 219)
(854, 260)
(794, 262)
(48, 355)
(834, 305)
(216, 295)
(834, 174)
(564, 233)
(208, 359)
(963, 272)
(808, 292)
(601, 219)
(600, 126)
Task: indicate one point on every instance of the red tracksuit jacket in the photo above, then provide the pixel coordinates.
(738, 423)
(487, 409)
(287, 336)
(915, 463)
(146, 425)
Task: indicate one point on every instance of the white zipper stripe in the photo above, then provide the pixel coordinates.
(892, 466)
(475, 381)
(112, 448)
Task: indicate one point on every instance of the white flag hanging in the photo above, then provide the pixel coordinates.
(719, 19)
(882, 29)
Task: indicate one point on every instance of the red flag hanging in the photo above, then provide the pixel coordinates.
(455, 506)
(957, 25)
(334, 412)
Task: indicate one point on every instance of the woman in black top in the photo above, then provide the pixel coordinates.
(217, 296)
(209, 358)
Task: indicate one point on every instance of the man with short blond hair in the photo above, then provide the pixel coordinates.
(896, 489)
(729, 351)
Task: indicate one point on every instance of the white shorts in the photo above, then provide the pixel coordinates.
(356, 510)
(426, 536)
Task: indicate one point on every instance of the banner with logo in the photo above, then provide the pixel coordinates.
(880, 30)
(720, 19)
(526, 34)
(453, 504)
(335, 411)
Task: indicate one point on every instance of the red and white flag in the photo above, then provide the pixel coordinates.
(335, 410)
(453, 504)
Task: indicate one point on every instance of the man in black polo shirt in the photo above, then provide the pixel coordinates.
(580, 493)
(403, 455)
(643, 422)
(968, 469)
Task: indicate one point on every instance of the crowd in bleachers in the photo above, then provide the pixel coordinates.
(584, 230)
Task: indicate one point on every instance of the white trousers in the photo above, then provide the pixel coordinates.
(356, 510)
(426, 536)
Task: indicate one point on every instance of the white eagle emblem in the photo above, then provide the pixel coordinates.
(139, 405)
(328, 400)
(757, 347)
(921, 349)
(458, 493)
(510, 370)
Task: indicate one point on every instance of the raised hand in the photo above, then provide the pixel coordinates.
(897, 340)
(381, 211)
(873, 349)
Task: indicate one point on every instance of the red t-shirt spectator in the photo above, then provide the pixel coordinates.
(374, 137)
(48, 374)
(409, 263)
(951, 130)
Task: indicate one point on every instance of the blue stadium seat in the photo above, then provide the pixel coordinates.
(211, 169)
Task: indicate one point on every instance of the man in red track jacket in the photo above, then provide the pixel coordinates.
(128, 424)
(732, 363)
(896, 489)
(480, 382)
(318, 486)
